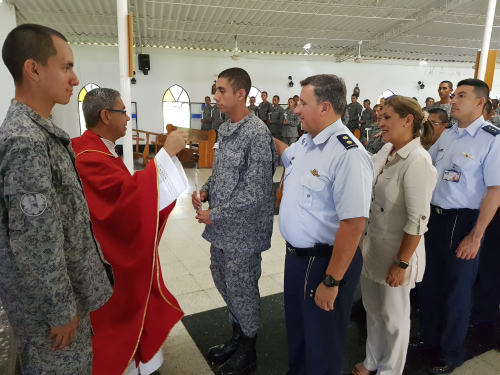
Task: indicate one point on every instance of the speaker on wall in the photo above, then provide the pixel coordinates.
(144, 63)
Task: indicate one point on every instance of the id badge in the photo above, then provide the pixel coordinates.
(451, 175)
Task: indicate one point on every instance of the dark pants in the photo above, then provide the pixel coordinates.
(486, 291)
(444, 296)
(316, 338)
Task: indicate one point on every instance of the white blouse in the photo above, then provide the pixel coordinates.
(401, 198)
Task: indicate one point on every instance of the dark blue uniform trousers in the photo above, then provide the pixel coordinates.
(486, 292)
(444, 296)
(316, 338)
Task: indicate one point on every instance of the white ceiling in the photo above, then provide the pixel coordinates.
(440, 30)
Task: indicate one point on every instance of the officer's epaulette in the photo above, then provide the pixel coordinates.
(346, 141)
(491, 129)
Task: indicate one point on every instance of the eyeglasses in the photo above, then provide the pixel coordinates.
(117, 110)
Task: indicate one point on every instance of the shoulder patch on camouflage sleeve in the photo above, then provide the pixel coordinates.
(347, 141)
(33, 204)
(491, 129)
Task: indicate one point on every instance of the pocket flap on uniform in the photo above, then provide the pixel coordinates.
(313, 183)
(464, 162)
(228, 158)
(29, 180)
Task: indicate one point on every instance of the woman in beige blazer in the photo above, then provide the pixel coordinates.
(393, 243)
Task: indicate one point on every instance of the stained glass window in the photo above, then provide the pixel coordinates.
(176, 109)
(88, 87)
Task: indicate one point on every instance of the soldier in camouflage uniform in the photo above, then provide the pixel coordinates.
(264, 107)
(277, 115)
(367, 119)
(218, 118)
(206, 116)
(375, 142)
(291, 123)
(252, 107)
(239, 220)
(354, 110)
(445, 90)
(52, 272)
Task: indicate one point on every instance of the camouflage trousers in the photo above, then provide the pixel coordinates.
(236, 276)
(289, 140)
(36, 356)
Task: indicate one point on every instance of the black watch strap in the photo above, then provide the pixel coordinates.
(330, 282)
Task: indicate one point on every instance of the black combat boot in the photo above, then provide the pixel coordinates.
(245, 357)
(221, 353)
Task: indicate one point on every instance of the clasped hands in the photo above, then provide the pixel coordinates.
(203, 217)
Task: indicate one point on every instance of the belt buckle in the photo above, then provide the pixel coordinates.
(439, 210)
(291, 250)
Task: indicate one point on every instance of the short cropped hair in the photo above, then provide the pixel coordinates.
(429, 98)
(295, 96)
(328, 88)
(367, 101)
(28, 42)
(449, 83)
(443, 115)
(276, 96)
(355, 96)
(252, 97)
(238, 79)
(207, 97)
(95, 102)
(263, 92)
(481, 89)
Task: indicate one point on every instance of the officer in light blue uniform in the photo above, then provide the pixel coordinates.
(467, 195)
(326, 200)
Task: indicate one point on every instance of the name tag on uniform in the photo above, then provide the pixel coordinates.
(216, 145)
(451, 175)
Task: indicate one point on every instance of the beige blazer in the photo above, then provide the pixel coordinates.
(401, 198)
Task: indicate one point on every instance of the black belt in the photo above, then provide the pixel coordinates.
(453, 211)
(319, 250)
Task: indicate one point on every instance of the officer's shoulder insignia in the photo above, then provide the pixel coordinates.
(491, 129)
(346, 141)
(33, 204)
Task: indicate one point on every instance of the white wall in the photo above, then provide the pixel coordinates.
(195, 71)
(7, 23)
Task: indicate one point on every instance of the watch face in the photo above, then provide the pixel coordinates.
(329, 281)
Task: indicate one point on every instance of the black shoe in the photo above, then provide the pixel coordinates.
(156, 373)
(244, 359)
(417, 344)
(221, 353)
(442, 369)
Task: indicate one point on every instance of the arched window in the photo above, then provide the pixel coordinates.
(176, 109)
(386, 95)
(254, 91)
(88, 87)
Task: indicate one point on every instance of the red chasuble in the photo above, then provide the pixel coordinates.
(137, 319)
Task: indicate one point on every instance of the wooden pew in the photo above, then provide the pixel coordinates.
(201, 144)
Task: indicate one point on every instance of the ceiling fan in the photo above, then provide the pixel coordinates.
(360, 58)
(236, 52)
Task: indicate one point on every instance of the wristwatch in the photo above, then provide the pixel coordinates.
(330, 282)
(401, 264)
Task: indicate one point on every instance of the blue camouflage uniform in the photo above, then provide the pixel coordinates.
(52, 268)
(242, 206)
(328, 178)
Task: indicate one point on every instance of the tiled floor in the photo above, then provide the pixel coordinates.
(185, 259)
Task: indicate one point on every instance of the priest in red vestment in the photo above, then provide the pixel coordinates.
(128, 214)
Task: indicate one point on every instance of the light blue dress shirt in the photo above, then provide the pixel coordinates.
(324, 183)
(475, 154)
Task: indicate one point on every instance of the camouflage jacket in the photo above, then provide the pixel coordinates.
(217, 117)
(367, 116)
(277, 117)
(240, 188)
(206, 116)
(373, 145)
(354, 110)
(290, 129)
(51, 266)
(263, 111)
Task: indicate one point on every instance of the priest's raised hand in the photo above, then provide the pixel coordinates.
(176, 141)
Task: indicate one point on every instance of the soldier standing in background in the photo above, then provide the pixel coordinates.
(252, 107)
(276, 118)
(291, 122)
(52, 270)
(366, 121)
(206, 116)
(354, 110)
(264, 108)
